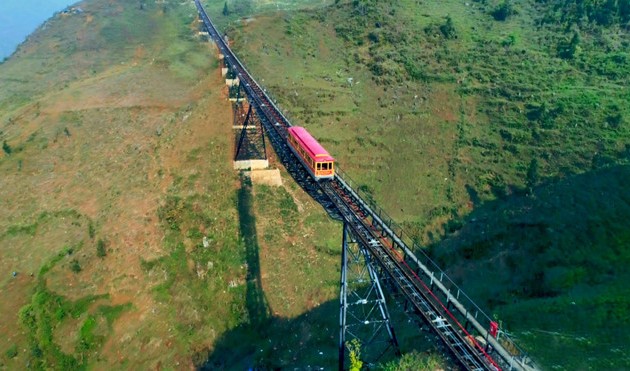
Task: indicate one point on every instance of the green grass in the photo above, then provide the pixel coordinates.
(31, 228)
(45, 312)
(451, 123)
(87, 338)
(558, 259)
(48, 310)
(82, 137)
(442, 129)
(414, 361)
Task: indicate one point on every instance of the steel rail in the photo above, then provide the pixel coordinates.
(355, 211)
(264, 104)
(511, 361)
(417, 293)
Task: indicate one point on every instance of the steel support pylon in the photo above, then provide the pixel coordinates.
(363, 311)
(250, 144)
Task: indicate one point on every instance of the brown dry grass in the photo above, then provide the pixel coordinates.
(298, 250)
(106, 146)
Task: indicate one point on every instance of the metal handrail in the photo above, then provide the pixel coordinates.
(367, 198)
(442, 276)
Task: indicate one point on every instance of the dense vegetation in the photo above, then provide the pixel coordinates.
(587, 12)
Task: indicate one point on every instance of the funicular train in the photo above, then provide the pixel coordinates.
(312, 155)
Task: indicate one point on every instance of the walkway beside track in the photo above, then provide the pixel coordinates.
(435, 298)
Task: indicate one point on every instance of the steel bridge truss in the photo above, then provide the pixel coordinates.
(250, 143)
(375, 247)
(363, 313)
(424, 294)
(387, 254)
(268, 116)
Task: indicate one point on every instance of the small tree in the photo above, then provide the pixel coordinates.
(532, 175)
(354, 350)
(101, 251)
(6, 148)
(448, 28)
(503, 11)
(226, 11)
(75, 266)
(568, 51)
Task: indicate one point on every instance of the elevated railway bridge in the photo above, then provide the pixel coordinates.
(377, 255)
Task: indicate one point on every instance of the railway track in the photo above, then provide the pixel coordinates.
(433, 298)
(418, 294)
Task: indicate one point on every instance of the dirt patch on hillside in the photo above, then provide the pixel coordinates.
(444, 103)
(266, 177)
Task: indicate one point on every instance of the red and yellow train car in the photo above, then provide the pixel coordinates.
(314, 157)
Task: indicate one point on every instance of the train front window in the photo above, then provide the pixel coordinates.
(319, 166)
(325, 166)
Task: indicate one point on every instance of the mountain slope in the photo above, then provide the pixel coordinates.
(450, 113)
(100, 113)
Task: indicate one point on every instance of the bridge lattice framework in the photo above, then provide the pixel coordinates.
(387, 255)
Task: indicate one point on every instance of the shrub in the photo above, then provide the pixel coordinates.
(91, 230)
(503, 11)
(374, 37)
(614, 120)
(6, 148)
(75, 266)
(532, 175)
(12, 352)
(354, 350)
(448, 29)
(100, 248)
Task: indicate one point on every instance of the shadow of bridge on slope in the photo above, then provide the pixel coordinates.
(264, 341)
(549, 262)
(309, 341)
(258, 309)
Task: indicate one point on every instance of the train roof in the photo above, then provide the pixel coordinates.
(312, 147)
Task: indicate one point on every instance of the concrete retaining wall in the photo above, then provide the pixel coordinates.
(251, 164)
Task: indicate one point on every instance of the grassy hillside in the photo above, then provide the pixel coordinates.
(116, 168)
(494, 133)
(92, 144)
(497, 132)
(552, 265)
